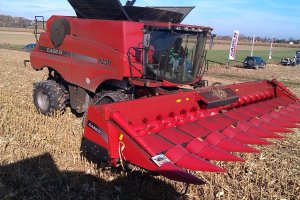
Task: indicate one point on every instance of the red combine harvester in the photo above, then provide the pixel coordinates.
(139, 58)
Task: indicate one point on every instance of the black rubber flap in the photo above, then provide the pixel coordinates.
(153, 14)
(183, 10)
(99, 9)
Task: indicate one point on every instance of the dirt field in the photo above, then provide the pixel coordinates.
(16, 38)
(25, 30)
(290, 76)
(40, 157)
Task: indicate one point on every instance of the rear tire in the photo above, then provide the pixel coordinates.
(49, 97)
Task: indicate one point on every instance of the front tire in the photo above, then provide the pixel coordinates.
(49, 97)
(106, 98)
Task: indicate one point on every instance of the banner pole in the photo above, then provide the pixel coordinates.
(270, 53)
(253, 40)
(233, 46)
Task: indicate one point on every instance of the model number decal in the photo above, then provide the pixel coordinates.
(103, 61)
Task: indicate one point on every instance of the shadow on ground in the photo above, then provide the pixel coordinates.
(39, 178)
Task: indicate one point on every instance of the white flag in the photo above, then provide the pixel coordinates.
(234, 42)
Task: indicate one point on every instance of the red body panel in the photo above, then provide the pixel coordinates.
(89, 42)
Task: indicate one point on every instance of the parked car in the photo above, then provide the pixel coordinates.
(291, 61)
(29, 47)
(297, 58)
(287, 62)
(254, 62)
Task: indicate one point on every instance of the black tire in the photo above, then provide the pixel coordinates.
(58, 31)
(256, 67)
(49, 97)
(106, 98)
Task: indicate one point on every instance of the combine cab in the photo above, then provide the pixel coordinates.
(124, 67)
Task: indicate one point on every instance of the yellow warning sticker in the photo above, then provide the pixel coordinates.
(187, 99)
(178, 100)
(121, 137)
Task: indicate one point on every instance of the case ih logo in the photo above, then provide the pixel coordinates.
(54, 51)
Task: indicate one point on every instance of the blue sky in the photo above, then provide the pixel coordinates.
(265, 18)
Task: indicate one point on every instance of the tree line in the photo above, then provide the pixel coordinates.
(15, 22)
(261, 39)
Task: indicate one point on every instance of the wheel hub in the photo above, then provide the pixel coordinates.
(43, 100)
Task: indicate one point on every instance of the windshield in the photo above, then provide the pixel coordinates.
(176, 57)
